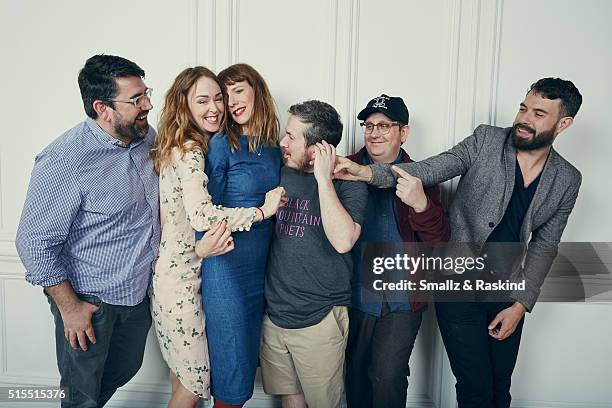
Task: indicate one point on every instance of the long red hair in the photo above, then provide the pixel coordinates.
(176, 125)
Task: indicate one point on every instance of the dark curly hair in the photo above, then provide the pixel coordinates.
(323, 120)
(557, 88)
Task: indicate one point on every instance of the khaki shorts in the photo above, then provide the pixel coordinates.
(308, 360)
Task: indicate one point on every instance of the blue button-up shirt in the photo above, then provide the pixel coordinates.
(91, 215)
(380, 226)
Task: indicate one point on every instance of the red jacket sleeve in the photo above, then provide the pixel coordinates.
(432, 224)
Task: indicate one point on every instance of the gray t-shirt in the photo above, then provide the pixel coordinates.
(306, 276)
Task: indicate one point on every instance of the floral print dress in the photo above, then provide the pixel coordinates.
(176, 302)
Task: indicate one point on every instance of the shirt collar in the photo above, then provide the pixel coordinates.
(103, 136)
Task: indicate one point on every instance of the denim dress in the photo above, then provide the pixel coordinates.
(233, 284)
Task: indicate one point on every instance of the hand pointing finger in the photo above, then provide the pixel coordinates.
(402, 173)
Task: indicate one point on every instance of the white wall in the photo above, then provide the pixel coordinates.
(457, 63)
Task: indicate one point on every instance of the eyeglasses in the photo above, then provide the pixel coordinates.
(138, 101)
(383, 127)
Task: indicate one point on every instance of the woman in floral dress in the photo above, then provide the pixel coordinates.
(193, 110)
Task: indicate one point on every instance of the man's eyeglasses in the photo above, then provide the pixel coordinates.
(383, 127)
(138, 101)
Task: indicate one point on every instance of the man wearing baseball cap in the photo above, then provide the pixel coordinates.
(383, 328)
(516, 189)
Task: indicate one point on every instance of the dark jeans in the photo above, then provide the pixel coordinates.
(481, 364)
(377, 356)
(93, 376)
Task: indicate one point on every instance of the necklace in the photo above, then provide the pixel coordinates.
(258, 147)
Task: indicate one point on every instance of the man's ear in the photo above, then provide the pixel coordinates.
(101, 109)
(564, 123)
(310, 156)
(404, 132)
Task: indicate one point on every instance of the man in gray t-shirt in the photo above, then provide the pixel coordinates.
(308, 287)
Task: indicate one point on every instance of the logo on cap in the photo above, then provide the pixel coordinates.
(380, 102)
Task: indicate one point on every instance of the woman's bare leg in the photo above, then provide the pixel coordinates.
(181, 396)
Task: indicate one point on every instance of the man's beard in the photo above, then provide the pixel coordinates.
(131, 131)
(302, 166)
(538, 141)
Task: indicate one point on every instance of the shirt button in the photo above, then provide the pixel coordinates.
(491, 224)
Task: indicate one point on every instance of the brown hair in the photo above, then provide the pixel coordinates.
(263, 124)
(176, 126)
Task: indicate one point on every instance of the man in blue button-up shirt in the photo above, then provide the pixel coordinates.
(89, 232)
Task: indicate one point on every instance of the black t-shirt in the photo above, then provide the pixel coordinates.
(509, 228)
(306, 276)
(502, 247)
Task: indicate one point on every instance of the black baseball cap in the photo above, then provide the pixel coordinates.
(391, 106)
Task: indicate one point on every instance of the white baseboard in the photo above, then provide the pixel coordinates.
(130, 396)
(558, 404)
(157, 396)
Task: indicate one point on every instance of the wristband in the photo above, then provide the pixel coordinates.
(263, 217)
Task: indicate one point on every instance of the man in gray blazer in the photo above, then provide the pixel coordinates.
(514, 187)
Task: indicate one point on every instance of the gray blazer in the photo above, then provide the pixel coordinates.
(486, 161)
